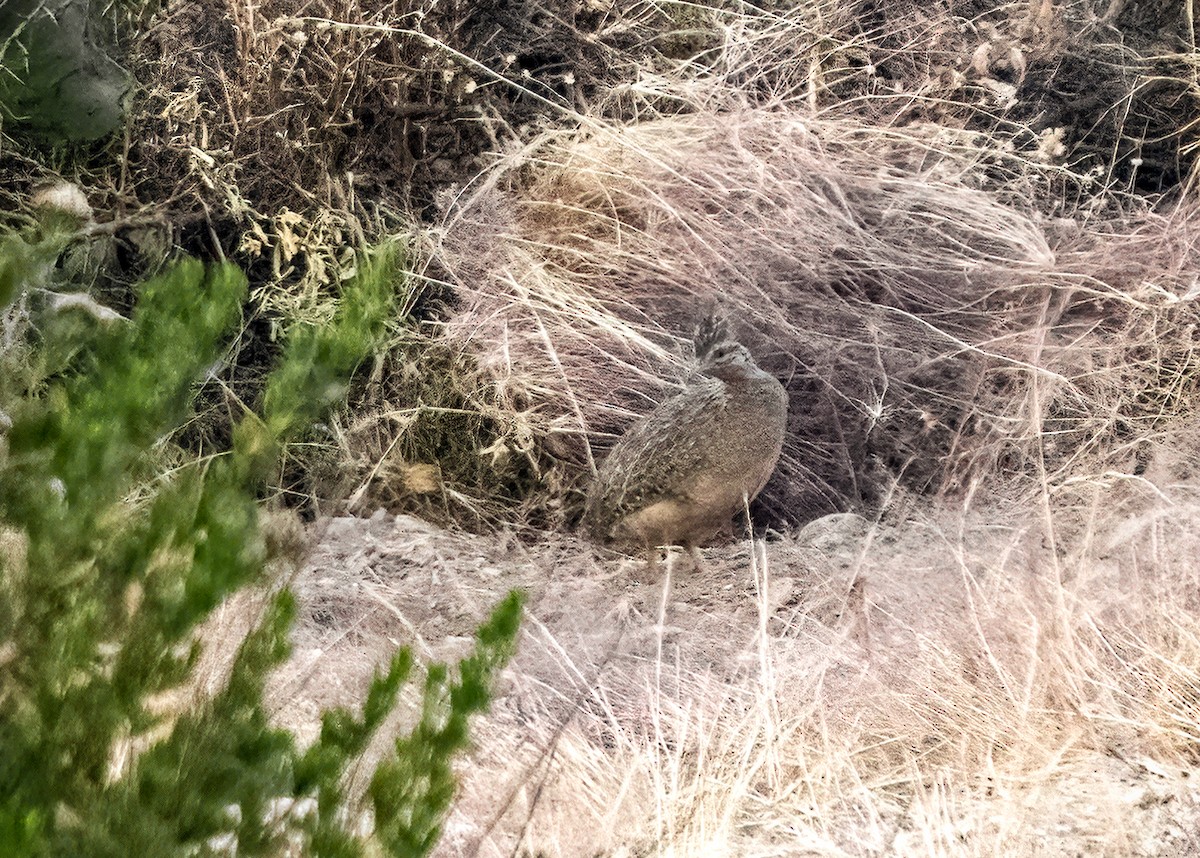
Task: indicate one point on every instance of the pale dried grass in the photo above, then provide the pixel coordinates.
(905, 301)
(986, 678)
(1005, 701)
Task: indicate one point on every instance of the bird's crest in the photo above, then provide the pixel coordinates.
(711, 332)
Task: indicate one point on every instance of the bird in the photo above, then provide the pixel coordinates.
(680, 473)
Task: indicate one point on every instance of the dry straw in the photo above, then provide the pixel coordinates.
(926, 325)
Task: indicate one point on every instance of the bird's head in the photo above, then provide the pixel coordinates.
(728, 360)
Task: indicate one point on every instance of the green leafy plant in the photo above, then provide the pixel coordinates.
(55, 79)
(107, 568)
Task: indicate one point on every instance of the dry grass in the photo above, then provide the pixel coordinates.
(912, 257)
(901, 206)
(906, 303)
(966, 237)
(981, 679)
(990, 346)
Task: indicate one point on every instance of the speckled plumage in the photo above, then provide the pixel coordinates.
(679, 475)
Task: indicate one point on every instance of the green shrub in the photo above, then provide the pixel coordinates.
(55, 78)
(107, 568)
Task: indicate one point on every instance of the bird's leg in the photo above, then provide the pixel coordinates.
(661, 626)
(651, 562)
(857, 615)
(624, 611)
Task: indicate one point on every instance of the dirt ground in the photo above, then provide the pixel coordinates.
(857, 688)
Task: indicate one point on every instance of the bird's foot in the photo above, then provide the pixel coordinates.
(624, 613)
(665, 632)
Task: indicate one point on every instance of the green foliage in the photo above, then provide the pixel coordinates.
(54, 78)
(412, 791)
(100, 598)
(311, 377)
(14, 261)
(54, 310)
(343, 737)
(28, 261)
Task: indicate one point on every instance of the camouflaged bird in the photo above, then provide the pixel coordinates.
(680, 474)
